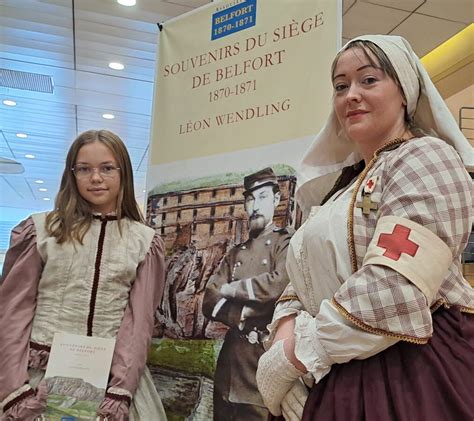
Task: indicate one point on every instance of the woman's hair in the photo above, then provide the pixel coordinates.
(383, 63)
(72, 215)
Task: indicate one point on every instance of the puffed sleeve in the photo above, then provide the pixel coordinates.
(18, 289)
(428, 186)
(427, 195)
(134, 336)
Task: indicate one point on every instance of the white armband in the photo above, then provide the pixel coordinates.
(413, 251)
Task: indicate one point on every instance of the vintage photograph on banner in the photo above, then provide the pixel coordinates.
(241, 89)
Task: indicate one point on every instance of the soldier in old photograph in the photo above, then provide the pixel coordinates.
(242, 295)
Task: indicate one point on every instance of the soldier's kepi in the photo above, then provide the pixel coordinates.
(259, 187)
(265, 177)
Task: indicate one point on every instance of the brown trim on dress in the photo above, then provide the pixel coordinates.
(118, 397)
(95, 284)
(105, 217)
(287, 298)
(40, 347)
(377, 331)
(393, 144)
(18, 399)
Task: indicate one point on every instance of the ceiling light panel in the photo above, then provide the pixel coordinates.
(127, 2)
(116, 65)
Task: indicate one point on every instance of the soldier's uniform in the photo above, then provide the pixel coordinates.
(259, 267)
(257, 273)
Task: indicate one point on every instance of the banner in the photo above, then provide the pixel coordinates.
(242, 87)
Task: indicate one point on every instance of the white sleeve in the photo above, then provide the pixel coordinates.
(330, 338)
(287, 304)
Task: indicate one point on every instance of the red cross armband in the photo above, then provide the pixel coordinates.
(413, 251)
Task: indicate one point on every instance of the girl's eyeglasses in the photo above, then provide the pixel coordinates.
(84, 171)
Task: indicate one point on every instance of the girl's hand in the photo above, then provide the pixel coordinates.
(29, 408)
(113, 410)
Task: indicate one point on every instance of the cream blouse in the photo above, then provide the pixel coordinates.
(318, 263)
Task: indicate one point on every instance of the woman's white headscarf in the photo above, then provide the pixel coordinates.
(331, 150)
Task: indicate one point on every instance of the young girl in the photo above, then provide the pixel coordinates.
(89, 267)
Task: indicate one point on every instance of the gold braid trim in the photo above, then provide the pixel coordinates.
(442, 302)
(370, 329)
(360, 179)
(287, 298)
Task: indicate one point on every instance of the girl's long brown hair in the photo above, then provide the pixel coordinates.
(72, 215)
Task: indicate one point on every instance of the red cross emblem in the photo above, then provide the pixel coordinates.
(370, 185)
(397, 243)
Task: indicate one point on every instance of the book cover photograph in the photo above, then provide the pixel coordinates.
(77, 375)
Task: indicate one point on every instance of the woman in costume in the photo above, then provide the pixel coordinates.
(377, 318)
(89, 267)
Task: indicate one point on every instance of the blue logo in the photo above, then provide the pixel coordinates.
(234, 19)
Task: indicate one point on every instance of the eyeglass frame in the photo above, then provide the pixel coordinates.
(93, 172)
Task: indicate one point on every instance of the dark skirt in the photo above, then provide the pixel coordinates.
(406, 382)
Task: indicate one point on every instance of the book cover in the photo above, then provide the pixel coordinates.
(77, 375)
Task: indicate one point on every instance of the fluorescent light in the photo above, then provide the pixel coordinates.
(39, 181)
(127, 2)
(29, 156)
(108, 116)
(9, 102)
(42, 189)
(46, 198)
(22, 135)
(116, 66)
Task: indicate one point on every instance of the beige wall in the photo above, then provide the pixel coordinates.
(451, 67)
(463, 98)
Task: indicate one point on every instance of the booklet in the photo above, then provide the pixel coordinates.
(77, 375)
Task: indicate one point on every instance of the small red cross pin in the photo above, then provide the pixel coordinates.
(397, 243)
(370, 184)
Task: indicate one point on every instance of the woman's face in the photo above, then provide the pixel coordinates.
(97, 177)
(369, 105)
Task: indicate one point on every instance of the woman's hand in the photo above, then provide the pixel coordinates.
(293, 403)
(29, 408)
(275, 376)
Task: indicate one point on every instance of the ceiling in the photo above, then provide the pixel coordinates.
(74, 40)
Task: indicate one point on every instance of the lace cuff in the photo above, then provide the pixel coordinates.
(119, 394)
(17, 396)
(308, 349)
